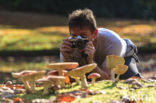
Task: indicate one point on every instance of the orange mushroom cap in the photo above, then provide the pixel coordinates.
(63, 65)
(94, 75)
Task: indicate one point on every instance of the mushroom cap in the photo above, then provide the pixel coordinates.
(94, 75)
(54, 78)
(37, 74)
(21, 74)
(63, 65)
(50, 78)
(56, 73)
(82, 70)
(43, 79)
(29, 75)
(112, 61)
(120, 69)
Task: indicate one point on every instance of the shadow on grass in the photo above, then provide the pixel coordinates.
(147, 49)
(4, 77)
(54, 51)
(37, 95)
(110, 86)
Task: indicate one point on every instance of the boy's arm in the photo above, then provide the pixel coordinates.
(104, 72)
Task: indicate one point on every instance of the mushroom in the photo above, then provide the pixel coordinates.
(61, 66)
(27, 76)
(93, 76)
(49, 81)
(21, 75)
(56, 73)
(119, 70)
(112, 61)
(81, 71)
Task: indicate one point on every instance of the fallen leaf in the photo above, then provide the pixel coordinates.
(153, 85)
(121, 87)
(67, 80)
(65, 98)
(7, 100)
(19, 86)
(10, 86)
(133, 77)
(1, 85)
(18, 100)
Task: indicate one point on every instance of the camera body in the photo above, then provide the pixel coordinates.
(78, 42)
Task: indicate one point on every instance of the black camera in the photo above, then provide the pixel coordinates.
(79, 42)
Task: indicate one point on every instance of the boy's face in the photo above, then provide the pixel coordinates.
(84, 32)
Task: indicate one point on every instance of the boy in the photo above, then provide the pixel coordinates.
(102, 42)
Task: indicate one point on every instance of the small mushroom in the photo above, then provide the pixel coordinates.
(21, 75)
(34, 76)
(119, 70)
(49, 81)
(112, 61)
(93, 76)
(56, 73)
(61, 66)
(81, 71)
(29, 76)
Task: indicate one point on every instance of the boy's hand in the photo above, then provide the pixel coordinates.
(65, 49)
(90, 50)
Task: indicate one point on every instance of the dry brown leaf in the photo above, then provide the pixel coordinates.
(67, 80)
(65, 98)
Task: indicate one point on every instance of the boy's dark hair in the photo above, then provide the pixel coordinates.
(82, 18)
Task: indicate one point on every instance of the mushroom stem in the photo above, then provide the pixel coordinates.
(93, 81)
(117, 78)
(112, 75)
(26, 84)
(60, 72)
(62, 81)
(33, 86)
(84, 83)
(45, 91)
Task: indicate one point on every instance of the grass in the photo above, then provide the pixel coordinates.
(45, 31)
(20, 39)
(111, 93)
(48, 38)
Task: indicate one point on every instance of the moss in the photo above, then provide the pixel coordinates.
(111, 93)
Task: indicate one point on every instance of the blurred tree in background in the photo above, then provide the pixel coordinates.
(141, 9)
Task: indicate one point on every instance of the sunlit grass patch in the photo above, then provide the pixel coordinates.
(47, 38)
(141, 30)
(58, 29)
(30, 41)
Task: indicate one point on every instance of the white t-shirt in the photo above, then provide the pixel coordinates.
(108, 43)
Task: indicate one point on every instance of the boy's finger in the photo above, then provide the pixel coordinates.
(67, 43)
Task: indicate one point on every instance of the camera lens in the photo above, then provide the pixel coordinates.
(80, 44)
